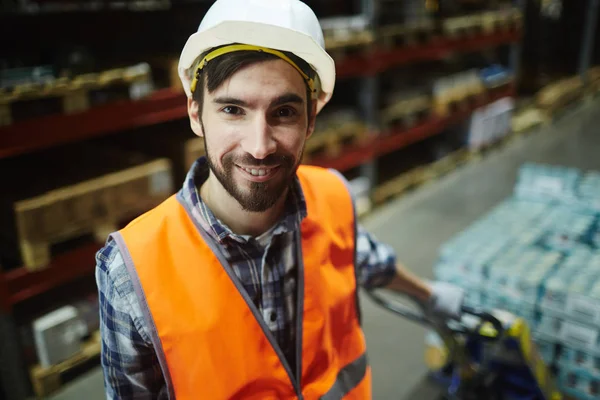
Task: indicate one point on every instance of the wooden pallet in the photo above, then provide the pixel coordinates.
(400, 185)
(594, 80)
(407, 111)
(419, 176)
(467, 25)
(165, 73)
(528, 119)
(95, 206)
(47, 380)
(411, 34)
(340, 46)
(559, 95)
(449, 163)
(68, 96)
(193, 149)
(486, 22)
(493, 21)
(447, 105)
(450, 96)
(330, 141)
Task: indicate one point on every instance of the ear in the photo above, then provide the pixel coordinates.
(312, 119)
(194, 114)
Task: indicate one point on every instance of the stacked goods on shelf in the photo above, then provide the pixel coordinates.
(490, 124)
(421, 162)
(555, 97)
(346, 34)
(405, 108)
(46, 380)
(405, 23)
(408, 13)
(457, 90)
(407, 111)
(495, 76)
(173, 140)
(164, 72)
(410, 23)
(402, 170)
(33, 97)
(405, 97)
(527, 118)
(537, 255)
(559, 94)
(65, 343)
(56, 198)
(406, 34)
(453, 92)
(487, 21)
(334, 129)
(410, 94)
(499, 19)
(467, 24)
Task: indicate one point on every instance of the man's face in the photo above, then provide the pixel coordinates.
(255, 126)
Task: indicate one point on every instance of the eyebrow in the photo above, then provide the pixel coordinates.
(287, 98)
(283, 99)
(230, 100)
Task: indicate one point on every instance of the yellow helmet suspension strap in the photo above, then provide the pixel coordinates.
(239, 47)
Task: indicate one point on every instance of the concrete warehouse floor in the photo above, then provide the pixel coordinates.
(417, 224)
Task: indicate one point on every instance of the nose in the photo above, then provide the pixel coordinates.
(260, 141)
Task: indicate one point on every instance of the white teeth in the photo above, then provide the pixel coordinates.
(257, 172)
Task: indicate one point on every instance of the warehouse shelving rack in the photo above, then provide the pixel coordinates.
(166, 104)
(20, 285)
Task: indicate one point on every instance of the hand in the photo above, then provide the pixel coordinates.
(445, 302)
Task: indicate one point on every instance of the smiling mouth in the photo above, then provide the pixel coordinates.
(258, 172)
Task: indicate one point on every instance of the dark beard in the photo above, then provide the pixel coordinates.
(261, 196)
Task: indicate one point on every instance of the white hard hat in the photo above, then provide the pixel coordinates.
(284, 25)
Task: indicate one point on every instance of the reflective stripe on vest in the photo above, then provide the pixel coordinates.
(348, 378)
(210, 337)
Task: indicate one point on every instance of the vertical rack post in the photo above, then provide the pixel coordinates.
(587, 45)
(369, 95)
(368, 103)
(516, 48)
(13, 379)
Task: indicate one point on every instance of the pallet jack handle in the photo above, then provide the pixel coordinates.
(420, 318)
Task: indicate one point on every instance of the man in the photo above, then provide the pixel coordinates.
(244, 285)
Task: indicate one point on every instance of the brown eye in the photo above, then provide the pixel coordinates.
(286, 112)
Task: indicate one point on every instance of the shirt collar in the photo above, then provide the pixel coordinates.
(294, 213)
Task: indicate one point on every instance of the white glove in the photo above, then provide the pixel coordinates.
(446, 301)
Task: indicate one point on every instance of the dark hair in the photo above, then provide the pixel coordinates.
(219, 69)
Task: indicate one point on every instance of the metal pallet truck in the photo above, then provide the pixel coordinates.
(485, 355)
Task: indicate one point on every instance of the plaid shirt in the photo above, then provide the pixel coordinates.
(265, 265)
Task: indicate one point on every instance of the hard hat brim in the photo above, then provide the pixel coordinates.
(264, 35)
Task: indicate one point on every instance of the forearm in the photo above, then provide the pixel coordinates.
(408, 283)
(438, 299)
(379, 268)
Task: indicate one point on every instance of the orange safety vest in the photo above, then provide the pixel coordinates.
(210, 339)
